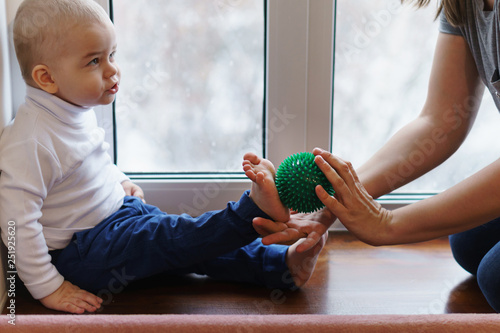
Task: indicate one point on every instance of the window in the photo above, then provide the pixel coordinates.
(192, 92)
(282, 100)
(374, 65)
(382, 65)
(297, 98)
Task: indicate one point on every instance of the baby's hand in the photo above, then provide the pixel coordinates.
(70, 298)
(134, 190)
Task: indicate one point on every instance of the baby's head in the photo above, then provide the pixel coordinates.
(52, 37)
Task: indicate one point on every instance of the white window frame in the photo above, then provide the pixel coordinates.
(300, 67)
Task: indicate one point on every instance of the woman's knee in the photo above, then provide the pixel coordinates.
(488, 275)
(463, 252)
(469, 247)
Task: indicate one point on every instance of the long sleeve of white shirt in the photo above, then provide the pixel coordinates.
(56, 179)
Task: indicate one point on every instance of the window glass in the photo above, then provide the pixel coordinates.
(382, 65)
(192, 92)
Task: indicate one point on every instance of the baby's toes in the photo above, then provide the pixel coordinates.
(252, 158)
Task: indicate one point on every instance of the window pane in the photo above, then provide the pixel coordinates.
(192, 91)
(382, 65)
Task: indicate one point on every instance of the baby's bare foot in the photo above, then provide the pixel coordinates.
(264, 192)
(301, 265)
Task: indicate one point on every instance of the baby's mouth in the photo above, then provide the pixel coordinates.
(114, 89)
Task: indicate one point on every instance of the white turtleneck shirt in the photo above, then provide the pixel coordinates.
(56, 179)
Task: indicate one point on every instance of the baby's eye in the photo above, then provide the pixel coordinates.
(94, 61)
(112, 55)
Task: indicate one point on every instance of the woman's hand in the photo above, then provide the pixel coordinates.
(134, 190)
(352, 204)
(310, 226)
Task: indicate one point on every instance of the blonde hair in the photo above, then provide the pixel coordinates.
(454, 10)
(41, 25)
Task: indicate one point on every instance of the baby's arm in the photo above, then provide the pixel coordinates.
(33, 261)
(22, 192)
(70, 298)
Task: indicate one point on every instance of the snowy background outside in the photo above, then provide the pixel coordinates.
(192, 91)
(382, 66)
(192, 88)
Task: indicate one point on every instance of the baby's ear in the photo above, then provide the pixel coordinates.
(42, 77)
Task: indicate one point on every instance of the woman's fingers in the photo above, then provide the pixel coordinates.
(309, 242)
(333, 205)
(352, 204)
(343, 190)
(266, 227)
(285, 237)
(339, 175)
(341, 168)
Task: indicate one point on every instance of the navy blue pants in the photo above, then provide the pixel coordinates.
(139, 241)
(478, 252)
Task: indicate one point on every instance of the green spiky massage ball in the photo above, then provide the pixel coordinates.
(296, 178)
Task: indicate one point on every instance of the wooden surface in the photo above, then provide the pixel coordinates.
(350, 278)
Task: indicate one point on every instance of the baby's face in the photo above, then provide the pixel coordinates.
(86, 73)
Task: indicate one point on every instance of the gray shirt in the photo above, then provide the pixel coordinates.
(481, 31)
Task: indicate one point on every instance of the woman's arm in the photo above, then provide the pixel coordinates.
(453, 98)
(466, 205)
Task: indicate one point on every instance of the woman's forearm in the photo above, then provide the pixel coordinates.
(414, 150)
(453, 98)
(471, 203)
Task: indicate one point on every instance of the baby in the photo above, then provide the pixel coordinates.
(79, 220)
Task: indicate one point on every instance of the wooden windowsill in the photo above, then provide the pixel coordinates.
(350, 278)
